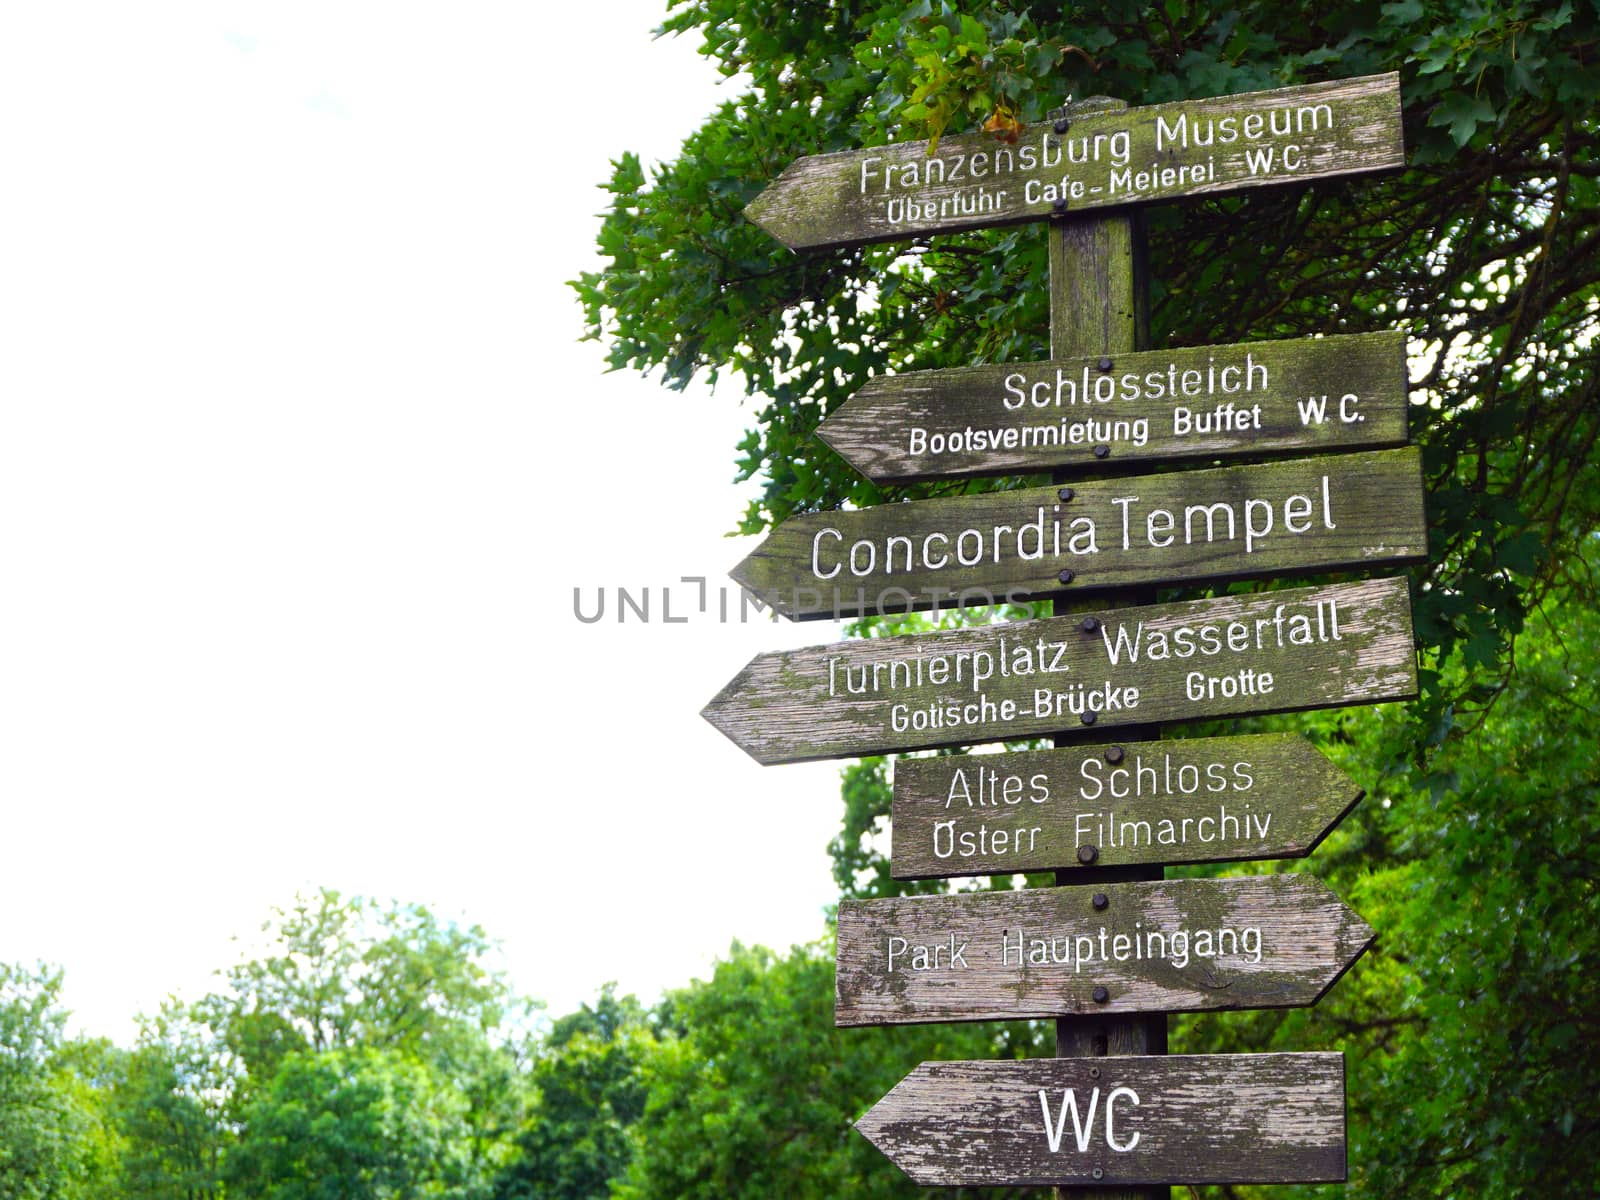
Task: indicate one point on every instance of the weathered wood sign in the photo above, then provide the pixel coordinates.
(1355, 510)
(1120, 157)
(1348, 643)
(1311, 394)
(1196, 1119)
(1271, 795)
(1177, 945)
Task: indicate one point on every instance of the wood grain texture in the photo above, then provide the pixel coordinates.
(1315, 514)
(1098, 276)
(1008, 418)
(1179, 801)
(919, 690)
(1105, 159)
(1173, 945)
(1099, 293)
(1203, 1118)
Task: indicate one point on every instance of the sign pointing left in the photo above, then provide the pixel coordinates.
(1097, 160)
(1201, 1118)
(1355, 510)
(1347, 643)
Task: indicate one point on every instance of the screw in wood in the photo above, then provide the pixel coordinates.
(1097, 1172)
(1089, 717)
(1065, 576)
(1063, 125)
(1113, 754)
(1087, 854)
(1105, 365)
(1094, 1072)
(1066, 493)
(1102, 451)
(1100, 994)
(1089, 624)
(1058, 209)
(1100, 900)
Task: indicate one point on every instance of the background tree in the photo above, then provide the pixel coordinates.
(355, 1123)
(53, 1143)
(378, 1050)
(752, 1091)
(168, 1101)
(588, 1091)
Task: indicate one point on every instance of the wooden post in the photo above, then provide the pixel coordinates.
(1098, 306)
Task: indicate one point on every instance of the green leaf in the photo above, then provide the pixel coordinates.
(1461, 115)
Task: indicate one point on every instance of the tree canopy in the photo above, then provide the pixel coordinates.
(1484, 250)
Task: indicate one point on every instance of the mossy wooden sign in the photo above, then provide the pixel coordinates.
(1270, 795)
(1356, 510)
(1119, 1120)
(1177, 945)
(1347, 643)
(1307, 395)
(1096, 160)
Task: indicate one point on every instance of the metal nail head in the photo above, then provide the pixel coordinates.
(1105, 364)
(1102, 451)
(1113, 754)
(1063, 125)
(1087, 854)
(1100, 994)
(1066, 493)
(1089, 717)
(1089, 624)
(1065, 575)
(1100, 901)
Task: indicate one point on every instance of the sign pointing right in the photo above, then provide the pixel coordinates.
(1346, 392)
(1270, 795)
(1175, 945)
(1202, 1118)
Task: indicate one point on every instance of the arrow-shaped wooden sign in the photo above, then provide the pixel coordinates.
(1093, 160)
(1356, 510)
(1310, 394)
(1348, 643)
(1271, 795)
(1176, 945)
(1117, 1121)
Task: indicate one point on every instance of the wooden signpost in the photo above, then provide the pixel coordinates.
(1196, 1119)
(1104, 159)
(1312, 394)
(1264, 519)
(1177, 945)
(1226, 799)
(1347, 643)
(1109, 959)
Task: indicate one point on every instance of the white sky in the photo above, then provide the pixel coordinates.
(300, 462)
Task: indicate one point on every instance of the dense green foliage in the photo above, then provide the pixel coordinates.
(1486, 251)
(368, 1053)
(751, 1091)
(588, 1092)
(51, 1143)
